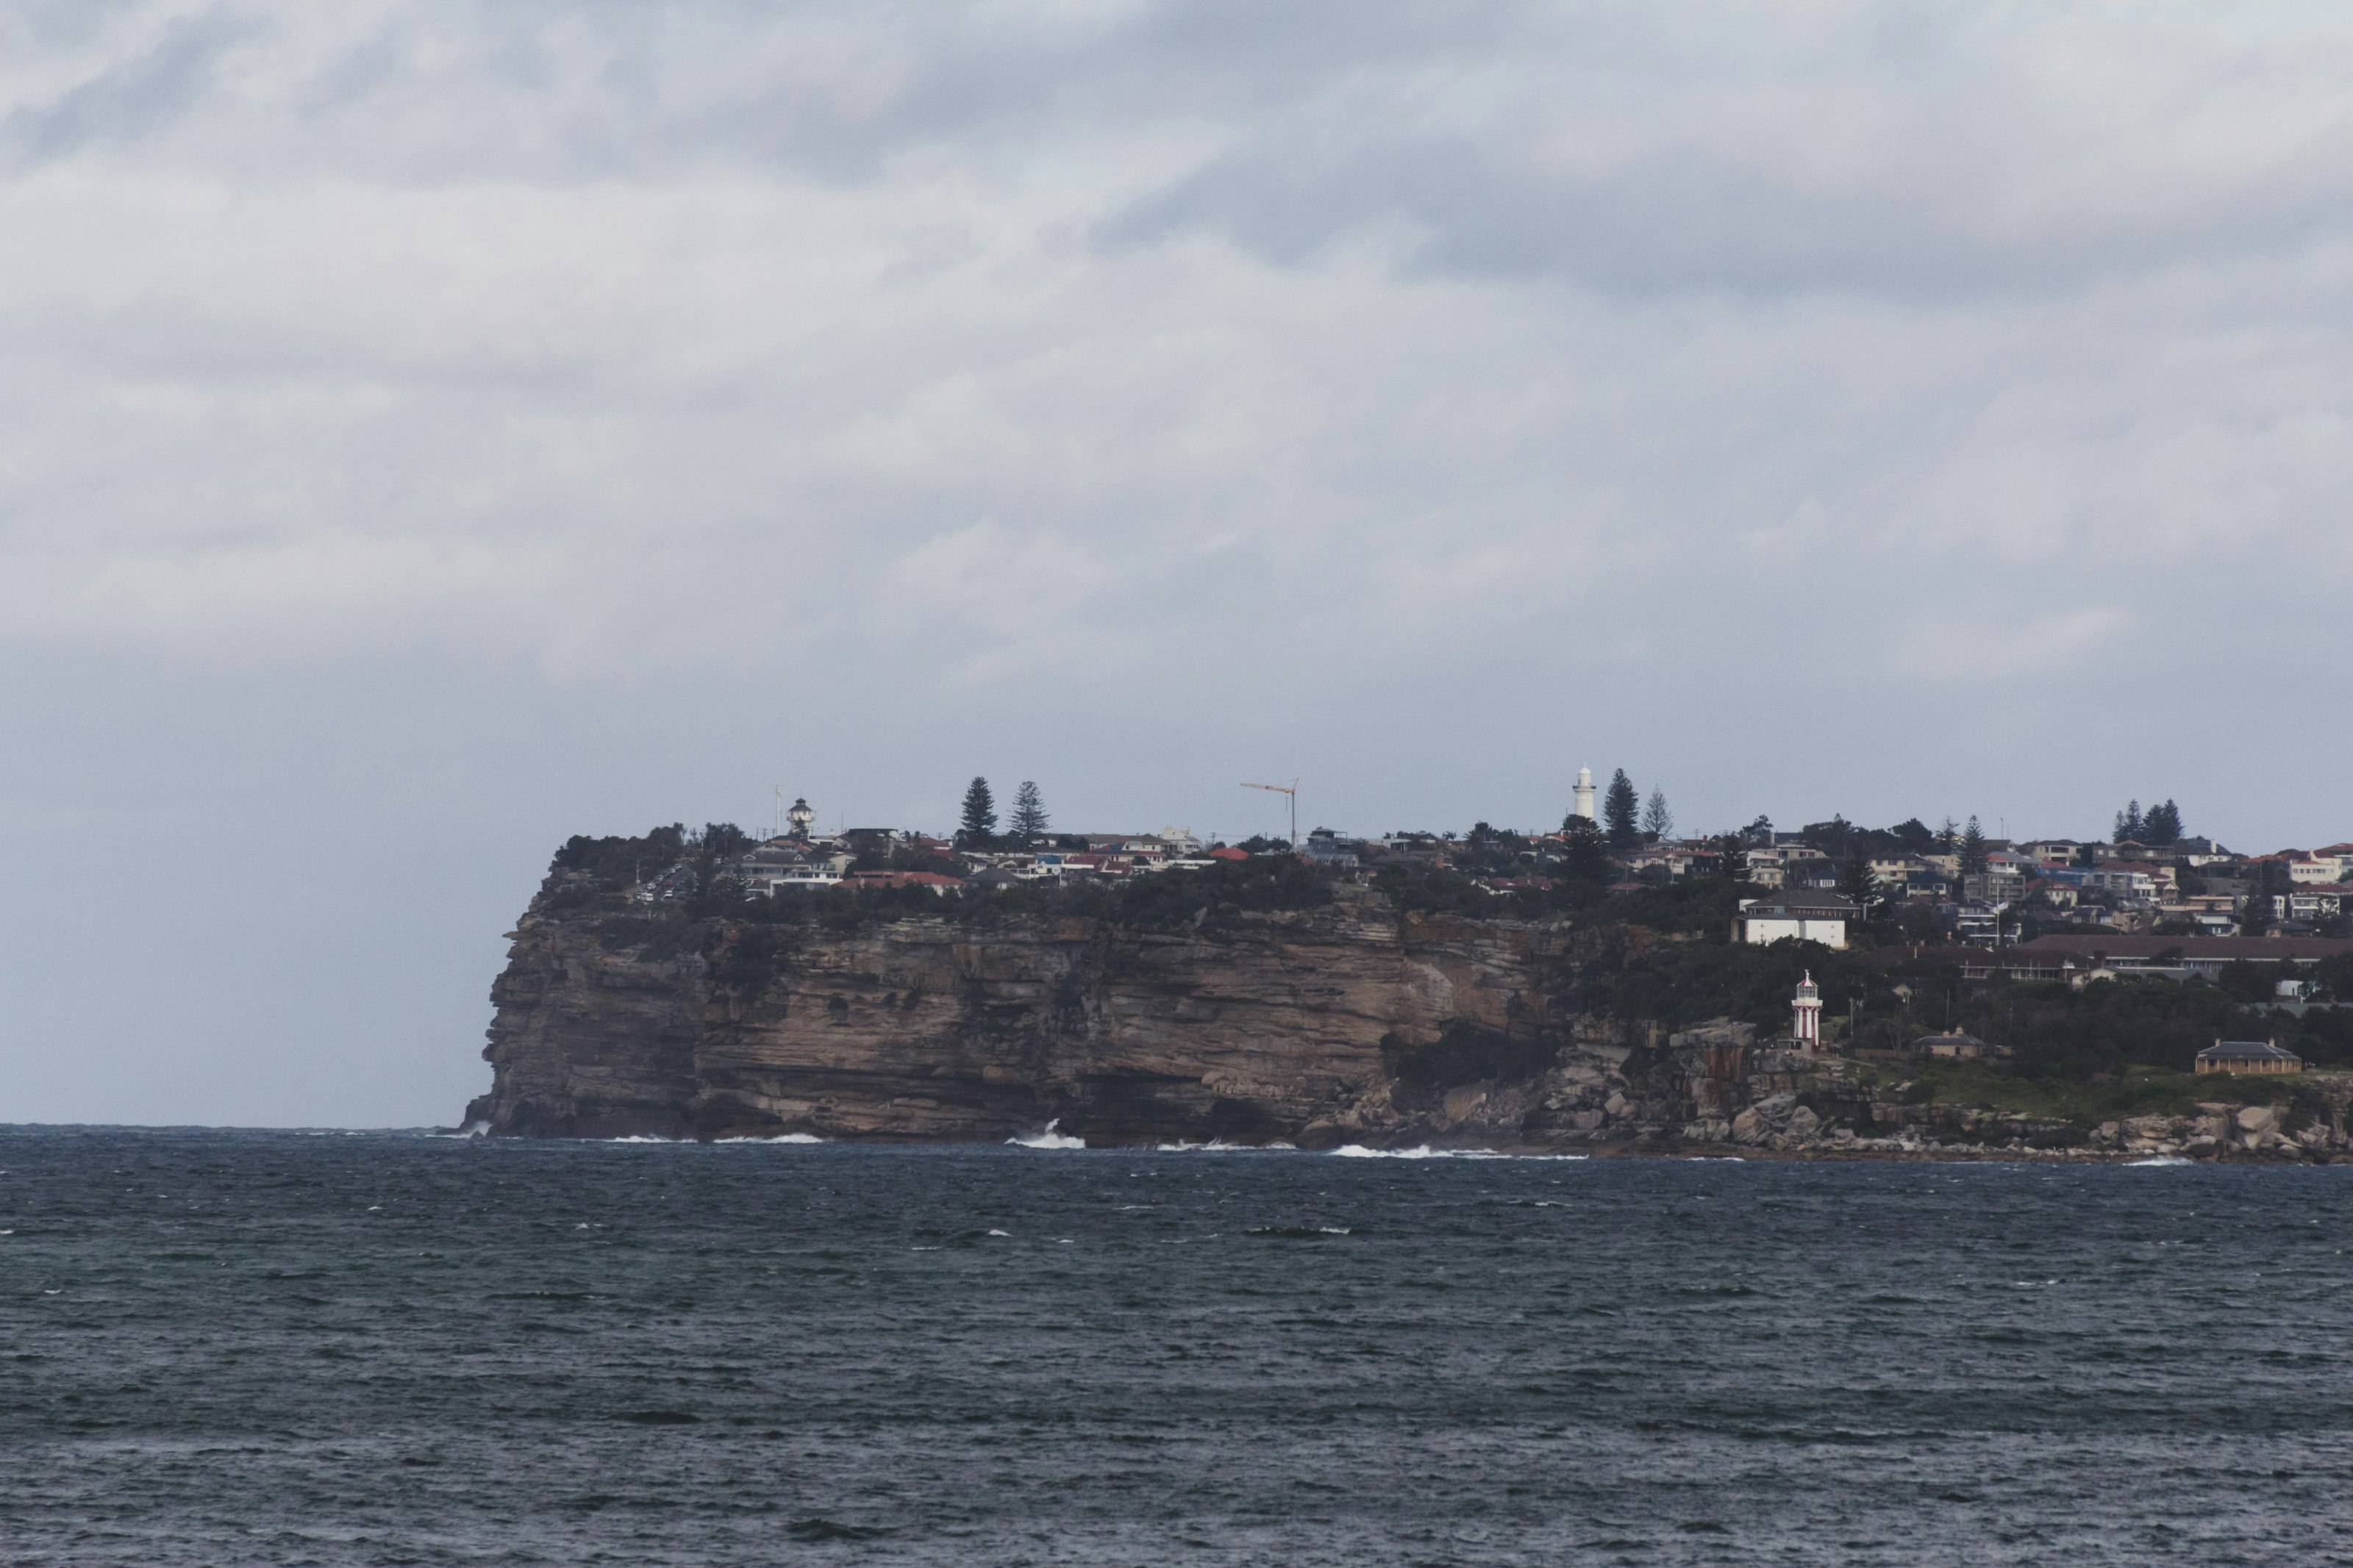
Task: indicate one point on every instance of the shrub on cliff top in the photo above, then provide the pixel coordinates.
(615, 862)
(1262, 882)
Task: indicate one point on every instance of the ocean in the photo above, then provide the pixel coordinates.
(225, 1348)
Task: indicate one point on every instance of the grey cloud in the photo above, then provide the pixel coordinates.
(1679, 219)
(129, 100)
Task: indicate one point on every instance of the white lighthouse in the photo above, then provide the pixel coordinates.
(1806, 1016)
(801, 817)
(1584, 794)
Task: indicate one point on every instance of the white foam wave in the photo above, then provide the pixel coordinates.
(775, 1138)
(2163, 1160)
(1050, 1139)
(1424, 1151)
(1007, 1234)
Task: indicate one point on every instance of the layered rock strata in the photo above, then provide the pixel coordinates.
(1284, 1028)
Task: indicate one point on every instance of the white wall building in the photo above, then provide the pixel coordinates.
(1794, 916)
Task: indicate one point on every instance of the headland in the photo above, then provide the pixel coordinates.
(1511, 991)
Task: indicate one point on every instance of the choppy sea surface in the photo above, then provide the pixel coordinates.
(281, 1348)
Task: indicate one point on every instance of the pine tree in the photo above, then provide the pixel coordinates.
(1732, 857)
(1657, 820)
(978, 828)
(2129, 825)
(1857, 883)
(2162, 824)
(1028, 824)
(1620, 809)
(1973, 849)
(2255, 906)
(1587, 860)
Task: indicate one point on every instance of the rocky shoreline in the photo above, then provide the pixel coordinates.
(1350, 1024)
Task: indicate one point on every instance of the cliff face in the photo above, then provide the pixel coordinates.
(1266, 1027)
(1350, 1023)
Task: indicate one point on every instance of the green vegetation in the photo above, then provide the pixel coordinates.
(977, 829)
(2138, 1091)
(1620, 812)
(1029, 820)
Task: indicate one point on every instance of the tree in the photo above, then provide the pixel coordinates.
(1028, 824)
(1973, 849)
(1948, 835)
(2162, 824)
(1759, 832)
(1914, 835)
(1657, 820)
(1732, 857)
(1620, 809)
(978, 828)
(1856, 882)
(2129, 825)
(1587, 860)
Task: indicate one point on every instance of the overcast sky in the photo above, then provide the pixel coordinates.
(430, 430)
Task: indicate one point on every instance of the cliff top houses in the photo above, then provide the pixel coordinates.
(1812, 884)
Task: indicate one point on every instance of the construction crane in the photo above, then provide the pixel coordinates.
(1291, 789)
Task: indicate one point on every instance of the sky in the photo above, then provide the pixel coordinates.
(430, 430)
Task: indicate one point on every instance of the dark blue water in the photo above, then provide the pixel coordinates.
(227, 1348)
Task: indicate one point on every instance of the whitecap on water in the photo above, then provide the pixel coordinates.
(775, 1138)
(1424, 1151)
(2163, 1160)
(1050, 1139)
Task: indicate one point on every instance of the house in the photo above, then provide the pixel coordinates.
(2248, 1056)
(1795, 916)
(2052, 853)
(1772, 867)
(1227, 852)
(1993, 887)
(1897, 872)
(2202, 956)
(1957, 1047)
(2127, 885)
(871, 880)
(1325, 848)
(773, 866)
(1979, 924)
(2311, 902)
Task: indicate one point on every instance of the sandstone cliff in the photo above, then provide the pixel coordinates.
(1262, 1027)
(1349, 1023)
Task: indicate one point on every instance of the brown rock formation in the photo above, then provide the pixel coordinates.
(1261, 1029)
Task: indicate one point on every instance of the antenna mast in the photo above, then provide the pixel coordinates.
(1291, 789)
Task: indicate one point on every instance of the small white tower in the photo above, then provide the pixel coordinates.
(800, 816)
(1806, 1019)
(1584, 794)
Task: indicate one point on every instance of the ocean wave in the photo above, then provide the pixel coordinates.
(1424, 1151)
(1050, 1139)
(2163, 1160)
(1297, 1232)
(775, 1138)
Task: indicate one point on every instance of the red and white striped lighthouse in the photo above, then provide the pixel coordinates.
(1806, 1021)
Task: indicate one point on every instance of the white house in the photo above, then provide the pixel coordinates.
(1802, 916)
